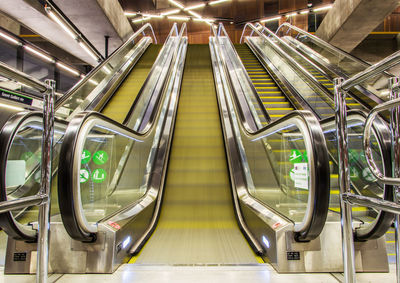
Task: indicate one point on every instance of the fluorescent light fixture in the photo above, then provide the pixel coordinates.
(195, 7)
(152, 16)
(203, 20)
(65, 67)
(291, 14)
(140, 20)
(11, 107)
(270, 19)
(38, 53)
(60, 23)
(130, 14)
(171, 12)
(9, 38)
(304, 12)
(194, 14)
(178, 18)
(88, 51)
(177, 4)
(322, 8)
(216, 2)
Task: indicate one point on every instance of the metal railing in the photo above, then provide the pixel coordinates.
(42, 198)
(347, 199)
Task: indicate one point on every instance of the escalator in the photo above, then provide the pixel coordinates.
(287, 153)
(102, 89)
(307, 92)
(197, 224)
(276, 103)
(117, 108)
(334, 62)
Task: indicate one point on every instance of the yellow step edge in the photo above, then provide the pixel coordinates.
(269, 92)
(276, 102)
(278, 109)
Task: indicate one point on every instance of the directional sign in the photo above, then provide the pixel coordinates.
(353, 155)
(99, 175)
(84, 175)
(100, 157)
(295, 156)
(85, 156)
(354, 173)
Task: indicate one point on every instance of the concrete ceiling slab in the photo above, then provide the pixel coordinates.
(90, 18)
(36, 19)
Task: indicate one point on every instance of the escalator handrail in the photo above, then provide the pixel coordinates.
(244, 115)
(60, 102)
(7, 221)
(145, 127)
(22, 77)
(383, 221)
(319, 197)
(328, 45)
(338, 73)
(291, 61)
(70, 203)
(17, 230)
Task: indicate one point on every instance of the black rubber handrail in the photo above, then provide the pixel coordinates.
(7, 135)
(66, 167)
(384, 219)
(322, 172)
(7, 221)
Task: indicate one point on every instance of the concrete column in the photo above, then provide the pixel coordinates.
(113, 10)
(9, 24)
(350, 21)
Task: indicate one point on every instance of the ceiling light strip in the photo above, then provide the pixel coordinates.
(217, 2)
(177, 4)
(9, 38)
(178, 18)
(38, 53)
(194, 7)
(171, 12)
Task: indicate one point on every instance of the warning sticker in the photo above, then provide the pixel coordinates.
(301, 175)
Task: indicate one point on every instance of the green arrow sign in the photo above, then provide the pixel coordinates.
(99, 175)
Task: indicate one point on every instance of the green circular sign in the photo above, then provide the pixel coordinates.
(84, 175)
(100, 157)
(295, 156)
(99, 175)
(354, 173)
(353, 155)
(86, 155)
(367, 174)
(26, 155)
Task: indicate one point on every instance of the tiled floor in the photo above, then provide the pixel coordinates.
(193, 274)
